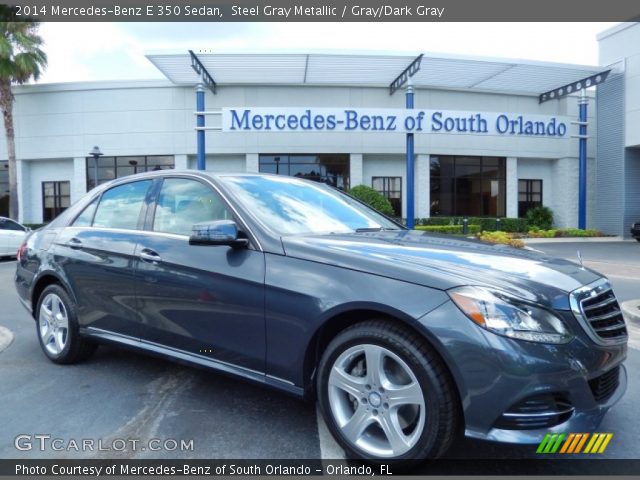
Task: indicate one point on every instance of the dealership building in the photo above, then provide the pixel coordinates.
(486, 143)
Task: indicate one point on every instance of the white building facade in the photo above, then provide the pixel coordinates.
(496, 170)
(618, 152)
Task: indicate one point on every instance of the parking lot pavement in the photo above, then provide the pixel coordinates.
(120, 394)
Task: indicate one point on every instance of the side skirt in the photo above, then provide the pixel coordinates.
(193, 359)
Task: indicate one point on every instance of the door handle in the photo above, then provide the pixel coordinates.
(148, 255)
(74, 243)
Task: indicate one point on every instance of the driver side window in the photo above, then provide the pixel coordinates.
(183, 202)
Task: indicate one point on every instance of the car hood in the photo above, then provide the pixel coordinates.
(440, 261)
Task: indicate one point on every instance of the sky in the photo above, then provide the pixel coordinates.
(115, 51)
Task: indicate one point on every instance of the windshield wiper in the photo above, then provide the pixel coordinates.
(368, 229)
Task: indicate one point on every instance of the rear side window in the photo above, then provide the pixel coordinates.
(183, 202)
(86, 217)
(120, 206)
(10, 225)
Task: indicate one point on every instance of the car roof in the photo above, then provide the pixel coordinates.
(202, 173)
(10, 219)
(196, 173)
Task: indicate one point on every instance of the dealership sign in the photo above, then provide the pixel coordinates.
(391, 120)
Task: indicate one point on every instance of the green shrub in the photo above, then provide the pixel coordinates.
(541, 217)
(439, 221)
(502, 238)
(519, 225)
(485, 223)
(455, 229)
(576, 232)
(372, 198)
(564, 232)
(537, 233)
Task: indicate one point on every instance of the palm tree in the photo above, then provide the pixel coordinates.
(21, 59)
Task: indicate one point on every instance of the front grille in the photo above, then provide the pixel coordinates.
(604, 315)
(597, 308)
(539, 411)
(603, 386)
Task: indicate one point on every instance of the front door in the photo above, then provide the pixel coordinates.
(204, 300)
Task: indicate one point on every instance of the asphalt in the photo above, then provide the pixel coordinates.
(122, 394)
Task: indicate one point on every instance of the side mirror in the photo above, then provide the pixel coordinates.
(219, 232)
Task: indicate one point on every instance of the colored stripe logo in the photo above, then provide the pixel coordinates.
(574, 443)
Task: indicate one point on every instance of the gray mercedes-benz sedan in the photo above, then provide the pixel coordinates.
(405, 339)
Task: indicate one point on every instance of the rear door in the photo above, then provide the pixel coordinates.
(97, 256)
(4, 237)
(15, 236)
(11, 236)
(204, 300)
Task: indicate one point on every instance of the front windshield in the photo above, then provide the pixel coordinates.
(289, 206)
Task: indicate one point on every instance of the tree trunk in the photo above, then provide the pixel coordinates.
(6, 104)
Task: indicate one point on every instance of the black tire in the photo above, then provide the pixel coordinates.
(76, 348)
(441, 425)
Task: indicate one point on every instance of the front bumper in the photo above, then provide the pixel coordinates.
(493, 373)
(581, 420)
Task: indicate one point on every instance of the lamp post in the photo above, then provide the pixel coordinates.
(95, 153)
(134, 164)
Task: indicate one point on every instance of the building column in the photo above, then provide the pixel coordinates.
(422, 186)
(181, 162)
(355, 170)
(252, 163)
(565, 192)
(79, 183)
(512, 187)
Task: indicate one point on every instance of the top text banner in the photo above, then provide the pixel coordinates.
(388, 120)
(329, 11)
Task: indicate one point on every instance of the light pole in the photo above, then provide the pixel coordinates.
(134, 164)
(95, 153)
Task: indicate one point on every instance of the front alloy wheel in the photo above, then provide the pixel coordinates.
(385, 394)
(376, 400)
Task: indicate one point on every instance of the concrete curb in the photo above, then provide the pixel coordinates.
(6, 337)
(631, 310)
(576, 240)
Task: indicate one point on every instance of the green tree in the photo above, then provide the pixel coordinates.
(21, 59)
(372, 198)
(541, 217)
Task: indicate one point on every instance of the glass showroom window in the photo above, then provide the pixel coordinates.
(4, 188)
(529, 196)
(391, 188)
(330, 169)
(467, 186)
(56, 198)
(116, 167)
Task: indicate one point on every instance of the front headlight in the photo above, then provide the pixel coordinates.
(508, 316)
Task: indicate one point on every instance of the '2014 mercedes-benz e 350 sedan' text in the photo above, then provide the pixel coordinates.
(405, 339)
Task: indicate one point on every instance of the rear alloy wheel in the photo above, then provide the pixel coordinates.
(385, 395)
(58, 327)
(54, 324)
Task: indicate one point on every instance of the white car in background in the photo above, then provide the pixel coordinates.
(11, 237)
